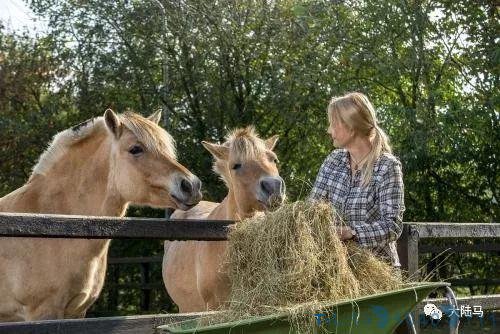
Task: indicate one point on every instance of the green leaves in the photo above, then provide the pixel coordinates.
(431, 68)
(432, 74)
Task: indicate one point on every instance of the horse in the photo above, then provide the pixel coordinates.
(193, 271)
(96, 168)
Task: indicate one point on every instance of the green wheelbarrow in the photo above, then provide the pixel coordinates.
(375, 314)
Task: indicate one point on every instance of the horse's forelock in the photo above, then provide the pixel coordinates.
(152, 136)
(244, 144)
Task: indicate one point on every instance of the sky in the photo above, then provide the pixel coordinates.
(15, 15)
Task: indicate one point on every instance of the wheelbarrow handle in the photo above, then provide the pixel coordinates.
(450, 295)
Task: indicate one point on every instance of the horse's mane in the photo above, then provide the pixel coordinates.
(154, 138)
(244, 144)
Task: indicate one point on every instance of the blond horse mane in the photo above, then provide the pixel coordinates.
(244, 144)
(154, 138)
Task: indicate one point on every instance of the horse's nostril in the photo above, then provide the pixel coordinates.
(266, 187)
(186, 186)
(272, 186)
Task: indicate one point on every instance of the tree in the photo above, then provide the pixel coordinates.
(31, 99)
(430, 67)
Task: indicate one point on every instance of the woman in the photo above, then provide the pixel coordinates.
(362, 179)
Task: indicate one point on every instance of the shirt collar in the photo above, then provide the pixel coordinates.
(345, 158)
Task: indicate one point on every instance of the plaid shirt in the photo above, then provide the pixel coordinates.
(374, 212)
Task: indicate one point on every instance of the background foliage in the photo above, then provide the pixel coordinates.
(430, 67)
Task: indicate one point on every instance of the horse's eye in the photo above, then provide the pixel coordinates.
(135, 150)
(236, 166)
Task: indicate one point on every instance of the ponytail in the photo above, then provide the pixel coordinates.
(380, 145)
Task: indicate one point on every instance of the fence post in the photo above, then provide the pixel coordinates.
(412, 251)
(413, 272)
(402, 245)
(408, 250)
(408, 256)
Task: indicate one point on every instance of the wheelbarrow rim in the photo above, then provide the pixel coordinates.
(280, 315)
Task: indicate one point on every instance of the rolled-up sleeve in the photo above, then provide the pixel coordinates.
(391, 205)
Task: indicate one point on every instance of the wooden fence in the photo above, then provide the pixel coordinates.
(409, 250)
(57, 226)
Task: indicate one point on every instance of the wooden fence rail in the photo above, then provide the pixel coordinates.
(409, 250)
(59, 226)
(408, 244)
(140, 324)
(65, 226)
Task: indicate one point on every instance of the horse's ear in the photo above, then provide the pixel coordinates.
(155, 117)
(113, 123)
(218, 151)
(271, 142)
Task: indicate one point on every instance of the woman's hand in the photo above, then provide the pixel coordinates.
(344, 233)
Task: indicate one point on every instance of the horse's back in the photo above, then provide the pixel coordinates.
(199, 211)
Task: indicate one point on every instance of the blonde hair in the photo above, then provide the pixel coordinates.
(244, 144)
(356, 112)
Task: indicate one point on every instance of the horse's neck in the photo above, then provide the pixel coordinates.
(225, 210)
(79, 183)
(230, 209)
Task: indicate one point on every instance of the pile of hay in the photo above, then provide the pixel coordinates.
(292, 260)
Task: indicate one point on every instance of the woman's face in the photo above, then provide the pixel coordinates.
(340, 133)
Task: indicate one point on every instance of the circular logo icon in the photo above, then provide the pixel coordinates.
(432, 311)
